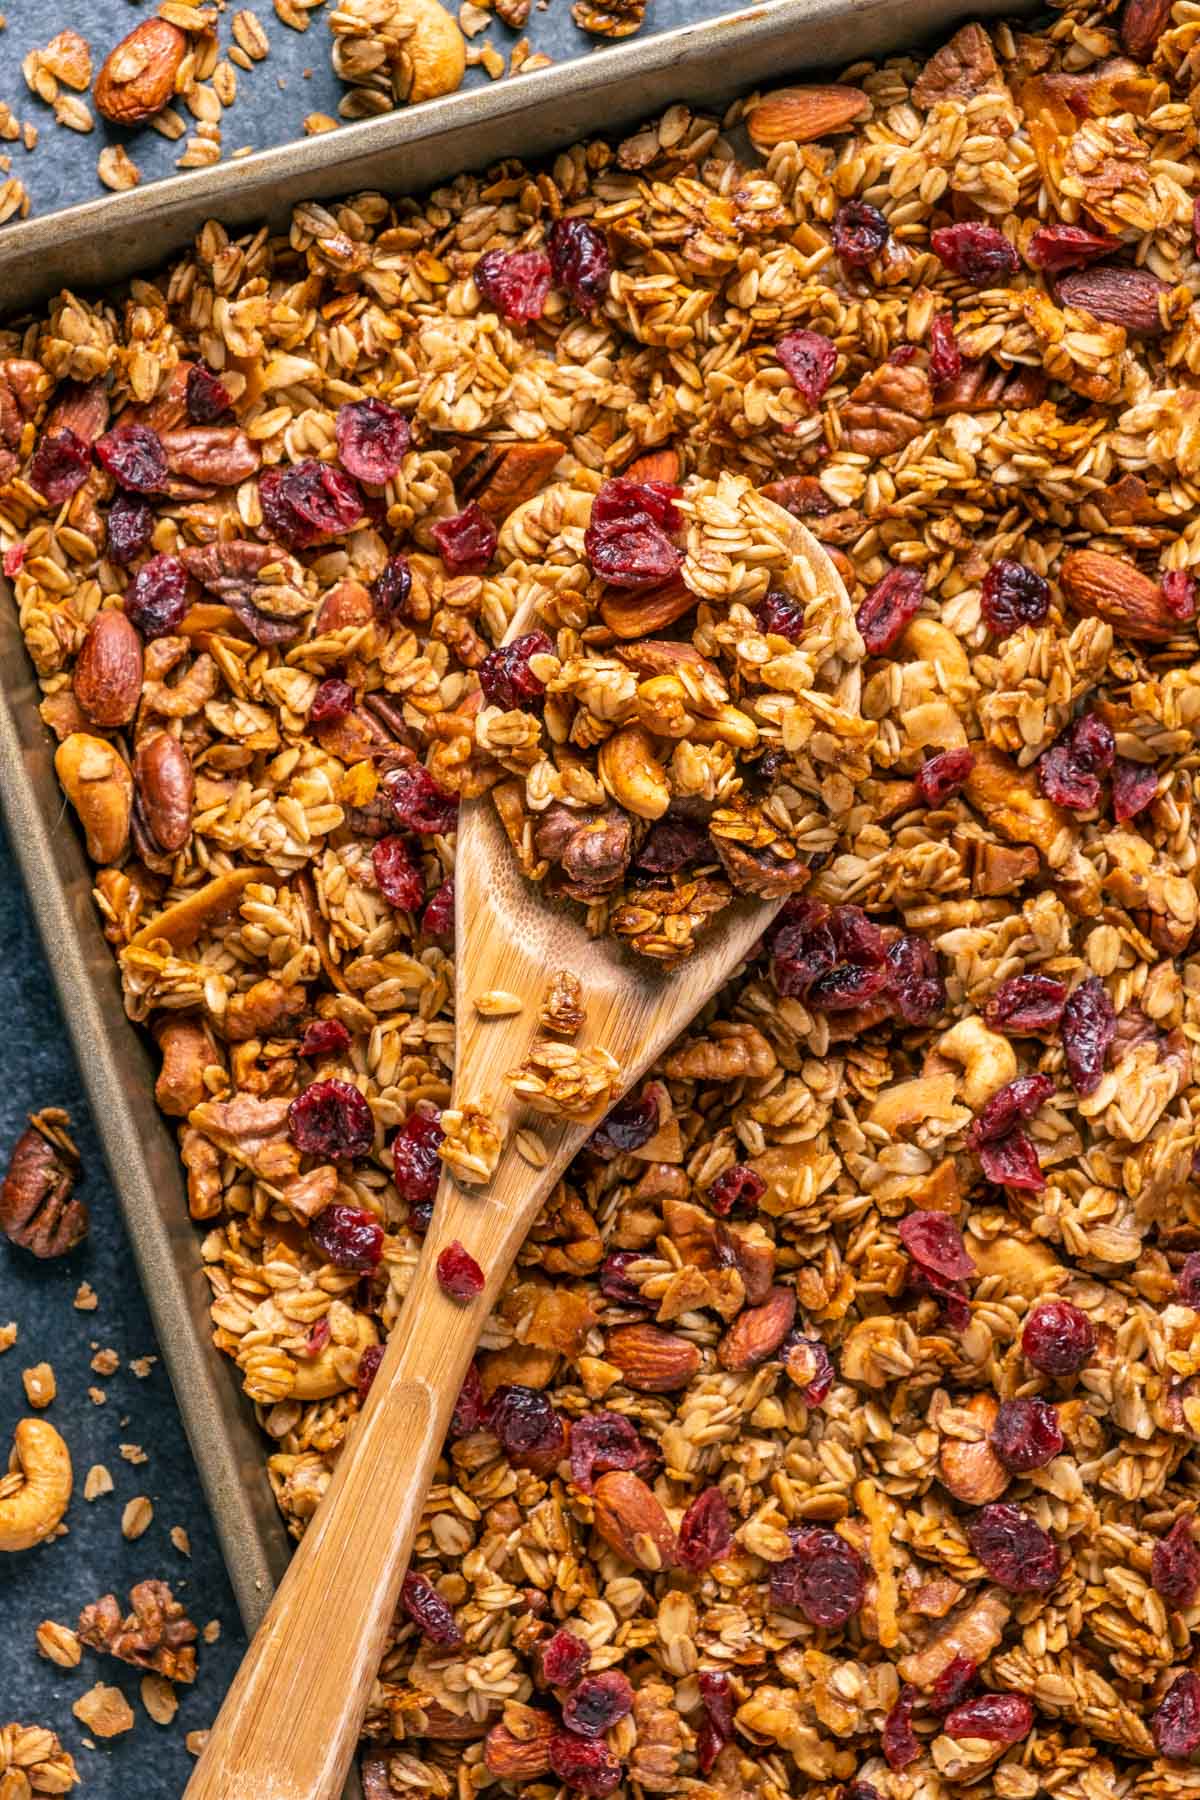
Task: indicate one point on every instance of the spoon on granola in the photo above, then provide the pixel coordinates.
(526, 1097)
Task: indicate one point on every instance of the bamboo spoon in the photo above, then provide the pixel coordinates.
(290, 1721)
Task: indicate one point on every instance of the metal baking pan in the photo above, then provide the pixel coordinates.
(101, 243)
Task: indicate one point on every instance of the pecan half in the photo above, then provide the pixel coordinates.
(501, 477)
(959, 70)
(212, 455)
(887, 409)
(36, 1208)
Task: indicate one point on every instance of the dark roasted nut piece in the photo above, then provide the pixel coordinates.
(214, 455)
(1107, 587)
(108, 671)
(36, 1208)
(500, 477)
(138, 78)
(1119, 296)
(164, 784)
(1142, 24)
(156, 1635)
(887, 409)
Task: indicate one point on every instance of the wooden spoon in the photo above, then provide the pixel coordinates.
(291, 1719)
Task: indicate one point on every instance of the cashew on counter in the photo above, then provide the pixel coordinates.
(35, 1492)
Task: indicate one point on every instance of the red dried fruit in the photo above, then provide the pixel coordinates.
(438, 918)
(60, 465)
(915, 983)
(531, 1433)
(978, 253)
(368, 1368)
(615, 1284)
(416, 1165)
(809, 1365)
(1187, 1282)
(859, 233)
(945, 357)
(858, 1790)
(1175, 1566)
(156, 599)
(627, 542)
(584, 1764)
(564, 1658)
(1012, 1161)
(1087, 1029)
(603, 1443)
(579, 261)
(1178, 590)
(1058, 247)
(935, 1244)
(888, 607)
(1014, 1549)
(630, 1124)
(515, 282)
(953, 1685)
(705, 1531)
(459, 1275)
(942, 775)
(373, 439)
(736, 1186)
(506, 678)
(331, 1119)
(1026, 1004)
(418, 803)
(1069, 772)
(467, 542)
(777, 613)
(1013, 595)
(333, 700)
(1026, 1435)
(134, 457)
(598, 1703)
(1176, 1723)
(672, 844)
(1010, 1105)
(824, 1577)
(130, 525)
(349, 1237)
(205, 396)
(471, 1410)
(1001, 1718)
(1134, 786)
(809, 360)
(809, 939)
(716, 1728)
(306, 502)
(899, 1740)
(324, 1037)
(426, 1608)
(1058, 1338)
(391, 589)
(12, 560)
(400, 880)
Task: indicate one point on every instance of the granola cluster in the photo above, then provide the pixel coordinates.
(834, 1430)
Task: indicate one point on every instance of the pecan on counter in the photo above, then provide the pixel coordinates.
(37, 1210)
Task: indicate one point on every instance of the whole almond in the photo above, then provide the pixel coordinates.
(108, 671)
(641, 615)
(631, 1522)
(1118, 296)
(165, 783)
(971, 1470)
(1142, 24)
(220, 455)
(510, 1758)
(1107, 587)
(654, 465)
(651, 1360)
(798, 115)
(137, 78)
(758, 1332)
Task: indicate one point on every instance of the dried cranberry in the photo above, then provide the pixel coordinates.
(1058, 1338)
(156, 599)
(205, 396)
(602, 1442)
(953, 1685)
(368, 1368)
(1069, 772)
(824, 1577)
(716, 1728)
(12, 560)
(1010, 1105)
(1012, 1161)
(859, 233)
(935, 1244)
(531, 1434)
(1188, 1280)
(1179, 593)
(1013, 595)
(506, 678)
(373, 439)
(438, 918)
(130, 526)
(615, 1284)
(858, 1790)
(418, 803)
(945, 357)
(803, 947)
(416, 1165)
(60, 465)
(630, 1124)
(1175, 1566)
(1026, 1004)
(333, 700)
(888, 607)
(903, 353)
(1058, 247)
(627, 542)
(1134, 786)
(391, 588)
(471, 1410)
(1026, 1435)
(916, 986)
(331, 1118)
(515, 282)
(349, 1237)
(324, 1037)
(309, 501)
(978, 253)
(943, 775)
(467, 542)
(134, 457)
(426, 1608)
(579, 261)
(1002, 1718)
(459, 1275)
(1014, 1549)
(705, 1531)
(739, 1185)
(1088, 1027)
(809, 359)
(584, 1764)
(809, 1365)
(564, 1658)
(598, 1703)
(780, 615)
(400, 880)
(899, 1741)
(1176, 1723)
(848, 987)
(672, 844)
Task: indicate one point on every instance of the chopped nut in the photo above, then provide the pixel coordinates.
(156, 1635)
(40, 1385)
(562, 1006)
(104, 1710)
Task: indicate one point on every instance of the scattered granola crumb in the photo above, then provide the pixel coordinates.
(8, 1336)
(136, 1516)
(133, 1453)
(561, 1080)
(473, 19)
(104, 1710)
(106, 1362)
(96, 1482)
(212, 1631)
(195, 1741)
(40, 1385)
(156, 1634)
(58, 1644)
(117, 171)
(562, 1004)
(86, 1297)
(250, 35)
(97, 1396)
(159, 1698)
(496, 1004)
(472, 1142)
(316, 123)
(142, 1365)
(181, 1540)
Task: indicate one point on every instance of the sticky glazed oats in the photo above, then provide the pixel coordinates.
(834, 1432)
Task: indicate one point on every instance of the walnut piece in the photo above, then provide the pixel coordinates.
(156, 1635)
(561, 1080)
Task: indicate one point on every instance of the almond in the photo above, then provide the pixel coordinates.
(757, 1333)
(1142, 24)
(510, 1758)
(165, 784)
(651, 1360)
(798, 115)
(138, 77)
(641, 615)
(654, 465)
(501, 477)
(1108, 587)
(1118, 296)
(631, 1522)
(971, 1471)
(108, 671)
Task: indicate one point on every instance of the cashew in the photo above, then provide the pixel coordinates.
(729, 726)
(987, 1059)
(913, 1102)
(662, 706)
(40, 1466)
(633, 774)
(433, 60)
(336, 1367)
(928, 641)
(98, 784)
